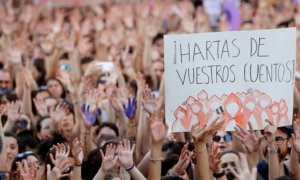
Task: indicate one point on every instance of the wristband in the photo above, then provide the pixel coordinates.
(151, 159)
(273, 150)
(78, 165)
(130, 168)
(219, 175)
(172, 173)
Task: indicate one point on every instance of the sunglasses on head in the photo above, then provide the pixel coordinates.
(226, 138)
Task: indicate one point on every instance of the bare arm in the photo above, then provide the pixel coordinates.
(200, 136)
(273, 161)
(158, 132)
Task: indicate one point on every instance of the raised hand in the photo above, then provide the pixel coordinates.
(77, 152)
(60, 162)
(296, 135)
(249, 139)
(109, 159)
(269, 132)
(89, 108)
(202, 133)
(91, 98)
(214, 159)
(150, 102)
(183, 162)
(58, 112)
(27, 170)
(130, 108)
(116, 104)
(14, 111)
(140, 80)
(244, 172)
(125, 154)
(47, 46)
(88, 117)
(158, 128)
(41, 107)
(15, 55)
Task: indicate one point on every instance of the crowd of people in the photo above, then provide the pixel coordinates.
(82, 94)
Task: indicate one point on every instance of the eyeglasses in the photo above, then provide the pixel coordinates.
(279, 140)
(26, 153)
(226, 138)
(225, 165)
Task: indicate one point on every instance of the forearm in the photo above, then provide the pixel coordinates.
(76, 173)
(27, 106)
(75, 65)
(52, 64)
(136, 174)
(253, 159)
(147, 55)
(294, 164)
(8, 126)
(139, 98)
(76, 128)
(121, 122)
(85, 138)
(274, 165)
(142, 140)
(202, 166)
(3, 154)
(144, 164)
(154, 171)
(132, 131)
(162, 86)
(121, 79)
(100, 175)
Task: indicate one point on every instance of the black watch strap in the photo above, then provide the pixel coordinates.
(219, 175)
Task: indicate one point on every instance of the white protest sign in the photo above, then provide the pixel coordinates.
(250, 74)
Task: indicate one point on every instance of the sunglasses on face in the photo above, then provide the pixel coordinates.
(279, 140)
(226, 138)
(225, 165)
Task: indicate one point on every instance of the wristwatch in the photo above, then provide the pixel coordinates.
(273, 150)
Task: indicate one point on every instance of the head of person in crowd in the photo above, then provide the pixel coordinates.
(45, 128)
(46, 145)
(230, 161)
(32, 160)
(39, 71)
(85, 62)
(6, 80)
(283, 141)
(12, 147)
(222, 140)
(8, 96)
(50, 102)
(158, 44)
(21, 124)
(40, 94)
(106, 129)
(92, 164)
(27, 140)
(56, 88)
(65, 125)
